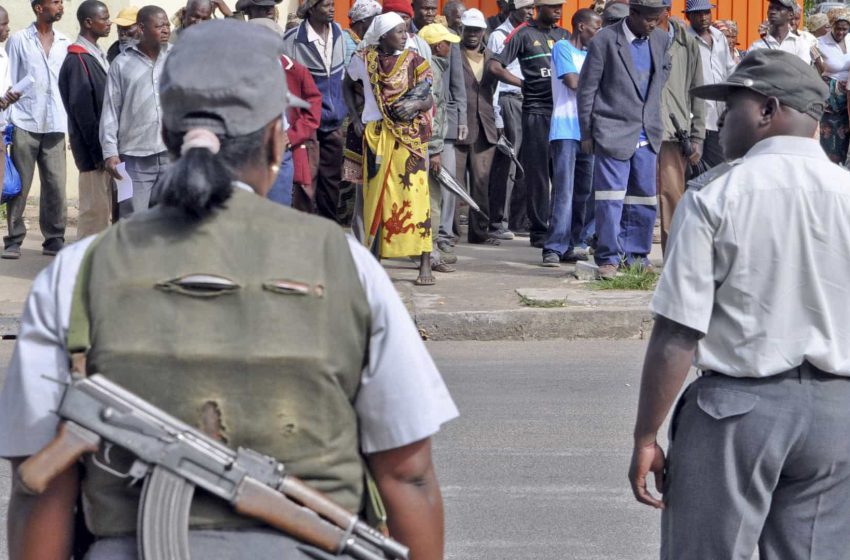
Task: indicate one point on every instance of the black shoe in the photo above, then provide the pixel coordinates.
(574, 256)
(11, 252)
(52, 249)
(551, 260)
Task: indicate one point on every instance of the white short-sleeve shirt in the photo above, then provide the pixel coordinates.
(357, 72)
(402, 397)
(759, 261)
(792, 43)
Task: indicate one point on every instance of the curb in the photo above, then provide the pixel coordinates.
(535, 324)
(516, 324)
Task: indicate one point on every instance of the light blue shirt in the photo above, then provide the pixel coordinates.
(40, 109)
(566, 59)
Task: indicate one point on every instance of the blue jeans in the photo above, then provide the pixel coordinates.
(626, 206)
(572, 182)
(281, 191)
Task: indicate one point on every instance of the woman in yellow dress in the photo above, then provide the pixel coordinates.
(396, 122)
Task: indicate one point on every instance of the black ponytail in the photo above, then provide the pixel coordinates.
(199, 182)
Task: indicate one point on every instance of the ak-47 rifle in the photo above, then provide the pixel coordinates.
(687, 147)
(683, 137)
(173, 458)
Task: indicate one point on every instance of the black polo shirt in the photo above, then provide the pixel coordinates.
(533, 48)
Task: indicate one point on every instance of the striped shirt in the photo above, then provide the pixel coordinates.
(131, 121)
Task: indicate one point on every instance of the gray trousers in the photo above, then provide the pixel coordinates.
(256, 544)
(435, 191)
(759, 463)
(145, 171)
(48, 152)
(504, 170)
(448, 161)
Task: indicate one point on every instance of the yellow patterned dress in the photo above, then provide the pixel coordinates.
(395, 187)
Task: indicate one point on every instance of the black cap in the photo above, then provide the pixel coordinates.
(614, 11)
(232, 87)
(774, 73)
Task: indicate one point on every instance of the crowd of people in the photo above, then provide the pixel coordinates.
(578, 139)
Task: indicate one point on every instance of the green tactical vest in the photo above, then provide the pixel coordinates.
(267, 356)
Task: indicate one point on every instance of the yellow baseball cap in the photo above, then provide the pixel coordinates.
(127, 16)
(434, 33)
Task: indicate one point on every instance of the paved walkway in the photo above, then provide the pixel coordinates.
(497, 293)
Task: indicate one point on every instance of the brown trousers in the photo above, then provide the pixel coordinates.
(671, 185)
(95, 203)
(474, 161)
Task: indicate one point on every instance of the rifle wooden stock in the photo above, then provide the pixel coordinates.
(72, 442)
(314, 500)
(255, 499)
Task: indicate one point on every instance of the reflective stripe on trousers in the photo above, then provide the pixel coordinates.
(626, 206)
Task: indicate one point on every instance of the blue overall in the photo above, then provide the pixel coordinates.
(625, 195)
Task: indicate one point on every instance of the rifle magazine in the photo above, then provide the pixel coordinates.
(163, 525)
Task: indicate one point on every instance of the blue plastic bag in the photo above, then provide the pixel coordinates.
(12, 179)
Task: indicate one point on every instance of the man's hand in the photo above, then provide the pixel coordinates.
(696, 144)
(588, 147)
(222, 7)
(646, 459)
(111, 166)
(462, 132)
(11, 97)
(435, 164)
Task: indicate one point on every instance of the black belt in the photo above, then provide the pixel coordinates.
(803, 371)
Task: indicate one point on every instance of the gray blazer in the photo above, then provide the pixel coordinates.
(455, 91)
(610, 108)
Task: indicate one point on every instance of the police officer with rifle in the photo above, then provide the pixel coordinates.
(221, 333)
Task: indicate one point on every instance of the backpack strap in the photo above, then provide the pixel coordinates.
(79, 327)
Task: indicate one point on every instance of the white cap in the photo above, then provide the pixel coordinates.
(473, 18)
(522, 4)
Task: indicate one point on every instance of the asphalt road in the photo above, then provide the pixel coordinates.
(535, 467)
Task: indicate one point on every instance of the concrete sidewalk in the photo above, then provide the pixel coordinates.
(502, 293)
(497, 293)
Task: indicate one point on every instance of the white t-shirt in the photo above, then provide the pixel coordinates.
(357, 72)
(402, 397)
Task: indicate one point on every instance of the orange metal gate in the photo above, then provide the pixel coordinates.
(748, 13)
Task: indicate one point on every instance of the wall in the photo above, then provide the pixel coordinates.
(748, 13)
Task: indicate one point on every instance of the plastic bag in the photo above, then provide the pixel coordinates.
(11, 179)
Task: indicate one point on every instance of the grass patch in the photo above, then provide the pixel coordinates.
(546, 303)
(634, 277)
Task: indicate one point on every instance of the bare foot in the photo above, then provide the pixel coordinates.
(425, 281)
(425, 276)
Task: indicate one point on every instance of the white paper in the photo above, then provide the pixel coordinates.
(124, 187)
(22, 86)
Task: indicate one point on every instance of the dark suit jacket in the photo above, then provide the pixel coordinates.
(481, 118)
(610, 107)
